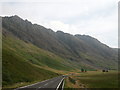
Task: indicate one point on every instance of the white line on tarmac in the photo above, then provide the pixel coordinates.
(59, 84)
(46, 84)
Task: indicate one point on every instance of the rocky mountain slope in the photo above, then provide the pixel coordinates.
(82, 50)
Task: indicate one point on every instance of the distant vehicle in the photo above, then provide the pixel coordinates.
(104, 70)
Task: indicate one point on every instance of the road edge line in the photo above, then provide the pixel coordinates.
(59, 83)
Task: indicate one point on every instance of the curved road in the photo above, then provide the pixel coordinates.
(51, 84)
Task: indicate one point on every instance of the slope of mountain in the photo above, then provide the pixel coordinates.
(24, 62)
(16, 70)
(78, 48)
(41, 50)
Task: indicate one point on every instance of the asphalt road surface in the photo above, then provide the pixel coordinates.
(51, 84)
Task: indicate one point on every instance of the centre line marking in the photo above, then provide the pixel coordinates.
(46, 84)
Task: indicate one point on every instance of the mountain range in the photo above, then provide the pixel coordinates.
(40, 47)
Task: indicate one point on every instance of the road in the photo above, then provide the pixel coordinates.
(51, 84)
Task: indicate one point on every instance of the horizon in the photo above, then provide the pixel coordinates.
(101, 22)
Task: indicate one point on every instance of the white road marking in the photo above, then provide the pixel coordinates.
(31, 85)
(46, 84)
(38, 83)
(59, 83)
(39, 87)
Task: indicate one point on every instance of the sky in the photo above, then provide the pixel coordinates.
(97, 18)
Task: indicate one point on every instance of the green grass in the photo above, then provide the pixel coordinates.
(16, 69)
(97, 79)
(92, 80)
(34, 54)
(22, 62)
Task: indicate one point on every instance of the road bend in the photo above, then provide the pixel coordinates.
(50, 84)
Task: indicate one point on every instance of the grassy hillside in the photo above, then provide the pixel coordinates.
(34, 54)
(16, 69)
(24, 62)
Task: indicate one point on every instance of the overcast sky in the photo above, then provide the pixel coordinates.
(97, 18)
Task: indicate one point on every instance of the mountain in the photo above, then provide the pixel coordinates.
(78, 48)
(40, 47)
